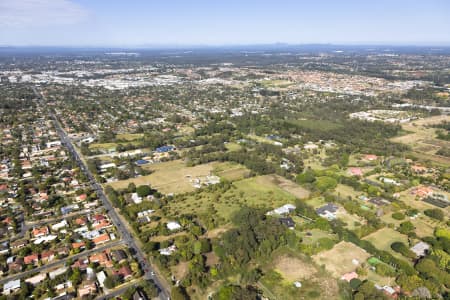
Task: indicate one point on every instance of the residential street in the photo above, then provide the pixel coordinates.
(125, 233)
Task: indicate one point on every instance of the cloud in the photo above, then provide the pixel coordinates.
(41, 13)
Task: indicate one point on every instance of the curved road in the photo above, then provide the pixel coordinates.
(126, 235)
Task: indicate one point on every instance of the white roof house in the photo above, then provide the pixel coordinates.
(59, 225)
(101, 277)
(420, 249)
(173, 225)
(11, 286)
(136, 199)
(285, 209)
(168, 251)
(36, 279)
(53, 274)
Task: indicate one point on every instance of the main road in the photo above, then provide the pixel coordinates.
(126, 235)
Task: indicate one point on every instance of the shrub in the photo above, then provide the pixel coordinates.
(398, 216)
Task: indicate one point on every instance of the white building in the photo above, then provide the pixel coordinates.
(173, 226)
(283, 210)
(11, 286)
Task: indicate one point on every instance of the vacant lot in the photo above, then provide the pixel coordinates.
(293, 268)
(338, 260)
(129, 136)
(231, 171)
(288, 267)
(383, 238)
(169, 177)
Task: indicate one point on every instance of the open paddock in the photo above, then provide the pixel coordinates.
(383, 238)
(346, 252)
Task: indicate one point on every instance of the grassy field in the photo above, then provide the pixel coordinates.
(350, 219)
(288, 267)
(346, 252)
(230, 171)
(383, 238)
(316, 202)
(169, 177)
(129, 136)
(257, 191)
(289, 186)
(345, 191)
(233, 146)
(104, 146)
(422, 139)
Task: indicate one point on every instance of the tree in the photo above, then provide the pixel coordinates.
(398, 216)
(355, 283)
(406, 227)
(111, 281)
(306, 177)
(131, 187)
(178, 293)
(435, 213)
(325, 183)
(403, 249)
(143, 190)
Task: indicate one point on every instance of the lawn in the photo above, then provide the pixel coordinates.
(316, 202)
(257, 191)
(338, 260)
(233, 146)
(383, 238)
(345, 191)
(315, 235)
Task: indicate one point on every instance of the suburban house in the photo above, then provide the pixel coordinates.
(173, 226)
(101, 239)
(328, 211)
(11, 287)
(87, 288)
(283, 210)
(40, 232)
(31, 259)
(288, 222)
(420, 249)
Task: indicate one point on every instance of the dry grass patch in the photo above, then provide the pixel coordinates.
(338, 260)
(293, 268)
(180, 270)
(211, 259)
(169, 177)
(289, 186)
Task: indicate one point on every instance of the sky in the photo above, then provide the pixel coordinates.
(140, 23)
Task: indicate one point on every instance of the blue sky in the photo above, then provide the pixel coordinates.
(219, 22)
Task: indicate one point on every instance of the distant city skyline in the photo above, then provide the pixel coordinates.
(140, 23)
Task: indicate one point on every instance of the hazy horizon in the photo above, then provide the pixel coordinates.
(176, 23)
